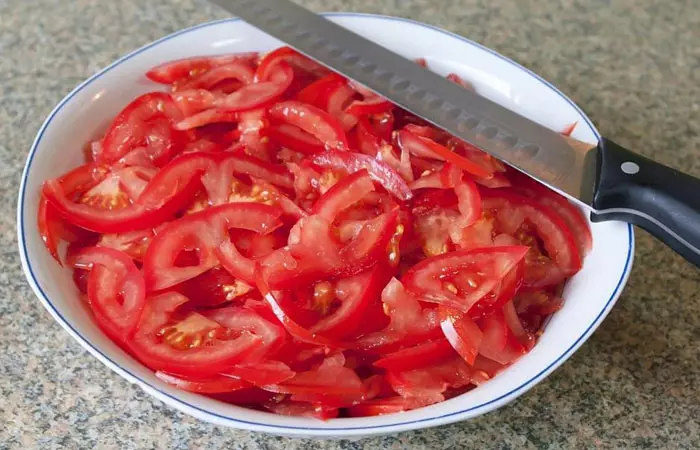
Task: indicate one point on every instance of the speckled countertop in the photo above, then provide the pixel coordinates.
(633, 65)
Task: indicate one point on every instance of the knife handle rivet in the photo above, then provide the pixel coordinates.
(629, 167)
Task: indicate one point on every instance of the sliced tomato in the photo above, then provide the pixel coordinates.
(314, 121)
(133, 243)
(214, 384)
(573, 216)
(409, 323)
(187, 344)
(214, 288)
(146, 122)
(208, 117)
(181, 69)
(356, 296)
(344, 194)
(425, 147)
(498, 344)
(116, 289)
(262, 373)
(379, 171)
(330, 384)
(271, 335)
(426, 354)
(294, 138)
(237, 70)
(461, 332)
(338, 100)
(387, 405)
(302, 409)
(273, 59)
(562, 256)
(461, 278)
(316, 93)
(429, 384)
(258, 95)
(203, 232)
(192, 101)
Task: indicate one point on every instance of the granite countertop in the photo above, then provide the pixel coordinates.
(633, 65)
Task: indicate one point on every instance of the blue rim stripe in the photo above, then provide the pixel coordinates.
(280, 428)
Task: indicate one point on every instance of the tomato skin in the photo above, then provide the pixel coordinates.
(425, 147)
(214, 384)
(199, 361)
(343, 194)
(426, 277)
(461, 332)
(550, 227)
(569, 213)
(116, 289)
(421, 355)
(204, 231)
(314, 121)
(274, 58)
(295, 139)
(379, 171)
(387, 405)
(178, 70)
(128, 130)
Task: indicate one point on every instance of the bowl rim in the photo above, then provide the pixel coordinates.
(233, 421)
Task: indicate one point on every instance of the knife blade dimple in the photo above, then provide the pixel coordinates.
(520, 142)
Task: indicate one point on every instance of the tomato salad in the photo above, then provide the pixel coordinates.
(265, 232)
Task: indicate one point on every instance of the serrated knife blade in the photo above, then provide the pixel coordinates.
(522, 143)
(615, 183)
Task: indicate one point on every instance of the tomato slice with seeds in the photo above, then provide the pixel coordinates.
(379, 171)
(562, 259)
(461, 278)
(271, 234)
(188, 345)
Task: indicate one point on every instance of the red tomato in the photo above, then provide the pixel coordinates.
(214, 384)
(181, 69)
(204, 232)
(460, 279)
(191, 345)
(287, 54)
(379, 171)
(238, 70)
(427, 354)
(562, 256)
(461, 332)
(409, 322)
(115, 288)
(242, 236)
(258, 95)
(314, 121)
(294, 138)
(428, 148)
(147, 121)
(573, 216)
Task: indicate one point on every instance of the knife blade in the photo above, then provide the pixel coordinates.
(520, 142)
(615, 183)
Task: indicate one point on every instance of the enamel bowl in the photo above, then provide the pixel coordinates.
(86, 111)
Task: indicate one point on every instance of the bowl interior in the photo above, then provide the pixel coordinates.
(85, 113)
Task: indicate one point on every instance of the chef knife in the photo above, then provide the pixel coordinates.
(613, 182)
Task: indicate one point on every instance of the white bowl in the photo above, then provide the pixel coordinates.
(84, 113)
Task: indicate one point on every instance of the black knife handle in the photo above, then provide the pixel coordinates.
(662, 200)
